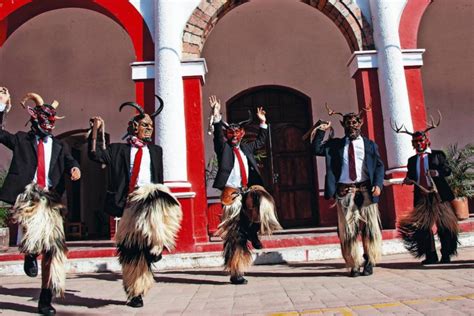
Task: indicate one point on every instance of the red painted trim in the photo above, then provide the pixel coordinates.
(410, 22)
(16, 13)
(195, 154)
(416, 97)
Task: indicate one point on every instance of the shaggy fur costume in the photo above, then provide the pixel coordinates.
(150, 222)
(39, 213)
(349, 217)
(416, 227)
(237, 221)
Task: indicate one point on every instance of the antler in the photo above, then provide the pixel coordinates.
(331, 112)
(432, 123)
(399, 129)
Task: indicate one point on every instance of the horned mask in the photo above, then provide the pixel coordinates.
(43, 116)
(419, 139)
(352, 122)
(234, 132)
(141, 125)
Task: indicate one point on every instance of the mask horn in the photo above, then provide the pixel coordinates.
(32, 96)
(133, 105)
(225, 124)
(55, 104)
(160, 108)
(248, 121)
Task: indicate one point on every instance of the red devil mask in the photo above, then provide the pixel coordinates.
(352, 122)
(419, 139)
(43, 116)
(234, 132)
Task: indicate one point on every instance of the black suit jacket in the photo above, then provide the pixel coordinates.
(25, 161)
(333, 151)
(225, 156)
(117, 157)
(436, 161)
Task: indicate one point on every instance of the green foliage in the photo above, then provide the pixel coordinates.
(211, 168)
(461, 162)
(4, 208)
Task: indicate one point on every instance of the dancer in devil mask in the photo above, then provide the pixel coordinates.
(248, 209)
(34, 184)
(150, 215)
(354, 177)
(432, 196)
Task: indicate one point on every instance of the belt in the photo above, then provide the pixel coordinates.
(354, 185)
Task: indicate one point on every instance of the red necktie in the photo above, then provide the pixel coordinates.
(41, 173)
(422, 180)
(243, 173)
(135, 170)
(352, 165)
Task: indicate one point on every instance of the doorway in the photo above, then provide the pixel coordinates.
(286, 164)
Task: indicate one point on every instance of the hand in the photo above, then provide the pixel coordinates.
(261, 115)
(98, 120)
(4, 97)
(434, 173)
(376, 191)
(215, 105)
(324, 126)
(408, 181)
(75, 174)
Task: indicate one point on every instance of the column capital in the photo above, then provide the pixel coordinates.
(143, 70)
(367, 59)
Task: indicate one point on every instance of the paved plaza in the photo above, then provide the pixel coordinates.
(400, 286)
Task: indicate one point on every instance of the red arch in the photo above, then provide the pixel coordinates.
(15, 13)
(410, 22)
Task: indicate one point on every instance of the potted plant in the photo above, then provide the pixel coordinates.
(4, 209)
(461, 181)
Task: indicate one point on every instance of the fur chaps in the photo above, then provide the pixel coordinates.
(253, 206)
(350, 217)
(150, 222)
(39, 213)
(415, 227)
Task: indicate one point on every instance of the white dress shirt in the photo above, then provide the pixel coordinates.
(48, 148)
(359, 155)
(144, 175)
(235, 178)
(426, 163)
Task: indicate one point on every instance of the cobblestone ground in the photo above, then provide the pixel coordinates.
(399, 286)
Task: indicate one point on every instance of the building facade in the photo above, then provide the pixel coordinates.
(290, 56)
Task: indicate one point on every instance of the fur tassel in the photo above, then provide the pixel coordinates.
(39, 212)
(150, 222)
(266, 208)
(415, 227)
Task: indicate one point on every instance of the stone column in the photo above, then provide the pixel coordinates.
(391, 75)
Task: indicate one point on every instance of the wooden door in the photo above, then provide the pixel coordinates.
(286, 163)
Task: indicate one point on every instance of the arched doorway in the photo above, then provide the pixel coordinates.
(287, 164)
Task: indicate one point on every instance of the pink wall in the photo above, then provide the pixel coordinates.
(82, 60)
(448, 71)
(279, 42)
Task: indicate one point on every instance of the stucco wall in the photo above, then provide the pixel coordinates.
(447, 34)
(81, 59)
(279, 42)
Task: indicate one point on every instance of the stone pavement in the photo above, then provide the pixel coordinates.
(400, 286)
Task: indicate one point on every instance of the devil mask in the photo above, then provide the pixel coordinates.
(234, 132)
(141, 125)
(419, 139)
(352, 122)
(43, 116)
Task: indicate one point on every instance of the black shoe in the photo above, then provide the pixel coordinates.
(354, 273)
(238, 280)
(445, 259)
(431, 258)
(155, 258)
(136, 301)
(368, 267)
(44, 304)
(30, 266)
(256, 243)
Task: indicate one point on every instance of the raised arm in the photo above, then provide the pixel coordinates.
(216, 116)
(98, 154)
(318, 145)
